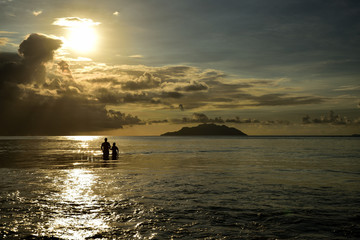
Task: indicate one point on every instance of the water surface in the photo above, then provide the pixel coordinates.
(180, 188)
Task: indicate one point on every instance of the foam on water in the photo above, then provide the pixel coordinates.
(185, 188)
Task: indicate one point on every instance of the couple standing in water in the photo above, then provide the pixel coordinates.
(105, 147)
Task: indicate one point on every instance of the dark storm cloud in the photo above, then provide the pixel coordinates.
(34, 101)
(38, 48)
(39, 115)
(34, 51)
(330, 118)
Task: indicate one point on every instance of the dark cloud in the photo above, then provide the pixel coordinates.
(157, 121)
(137, 97)
(171, 95)
(64, 67)
(38, 48)
(330, 118)
(245, 120)
(193, 86)
(29, 67)
(34, 101)
(69, 114)
(107, 96)
(6, 57)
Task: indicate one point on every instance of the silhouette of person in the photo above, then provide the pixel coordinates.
(105, 147)
(115, 151)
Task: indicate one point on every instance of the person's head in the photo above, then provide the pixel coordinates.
(114, 144)
(105, 139)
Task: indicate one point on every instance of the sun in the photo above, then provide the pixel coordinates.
(81, 36)
(82, 39)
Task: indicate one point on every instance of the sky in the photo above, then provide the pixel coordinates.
(144, 67)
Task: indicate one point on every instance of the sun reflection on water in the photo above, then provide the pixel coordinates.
(82, 138)
(78, 210)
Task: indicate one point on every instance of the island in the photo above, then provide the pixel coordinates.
(206, 130)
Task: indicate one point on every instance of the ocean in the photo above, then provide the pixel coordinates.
(180, 188)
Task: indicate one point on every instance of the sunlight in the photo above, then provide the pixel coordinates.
(82, 218)
(81, 34)
(82, 138)
(78, 186)
(82, 39)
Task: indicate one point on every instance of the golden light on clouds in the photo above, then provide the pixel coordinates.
(37, 13)
(81, 34)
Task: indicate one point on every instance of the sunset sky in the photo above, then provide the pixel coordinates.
(146, 67)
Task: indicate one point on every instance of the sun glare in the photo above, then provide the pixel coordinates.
(82, 39)
(81, 33)
(82, 138)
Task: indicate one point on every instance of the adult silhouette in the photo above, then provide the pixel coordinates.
(105, 147)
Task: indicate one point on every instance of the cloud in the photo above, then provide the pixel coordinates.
(284, 100)
(198, 89)
(68, 97)
(116, 13)
(38, 48)
(203, 118)
(28, 66)
(146, 81)
(193, 86)
(39, 99)
(171, 95)
(4, 41)
(330, 118)
(74, 22)
(68, 114)
(198, 118)
(37, 13)
(64, 67)
(138, 56)
(7, 32)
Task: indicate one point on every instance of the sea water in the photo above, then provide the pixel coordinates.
(180, 188)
